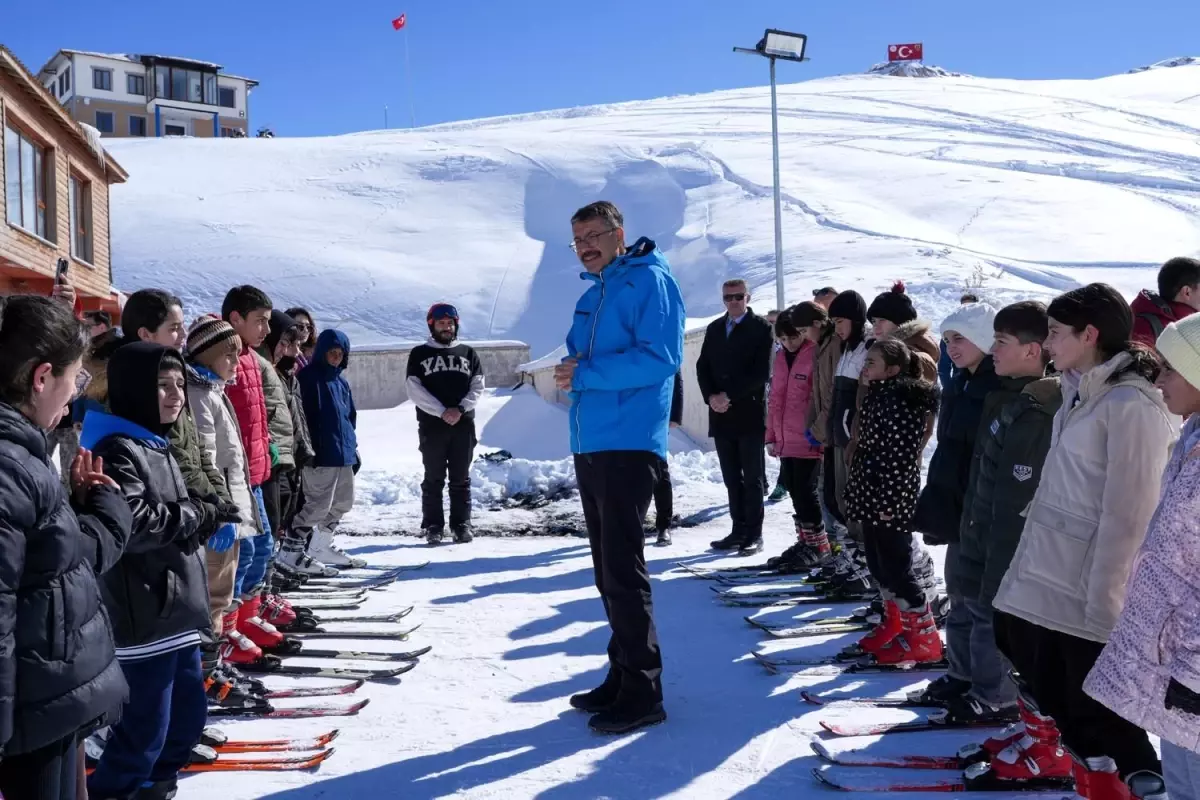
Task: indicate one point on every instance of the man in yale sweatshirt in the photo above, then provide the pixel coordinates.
(445, 381)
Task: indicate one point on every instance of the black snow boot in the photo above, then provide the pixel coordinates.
(751, 546)
(600, 698)
(664, 538)
(627, 716)
(941, 691)
(731, 542)
(463, 535)
(434, 535)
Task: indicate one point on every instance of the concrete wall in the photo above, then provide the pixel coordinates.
(695, 412)
(377, 374)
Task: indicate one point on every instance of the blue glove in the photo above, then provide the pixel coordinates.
(223, 539)
(812, 442)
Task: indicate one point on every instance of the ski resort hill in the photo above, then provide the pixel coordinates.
(1025, 187)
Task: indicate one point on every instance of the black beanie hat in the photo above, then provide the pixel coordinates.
(281, 323)
(849, 305)
(895, 306)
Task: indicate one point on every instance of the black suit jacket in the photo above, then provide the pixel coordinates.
(740, 366)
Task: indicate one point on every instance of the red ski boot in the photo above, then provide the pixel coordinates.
(1030, 724)
(887, 629)
(276, 610)
(918, 642)
(1037, 756)
(235, 648)
(1097, 779)
(254, 628)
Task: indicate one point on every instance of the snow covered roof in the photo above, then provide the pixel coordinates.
(1181, 61)
(912, 69)
(136, 58)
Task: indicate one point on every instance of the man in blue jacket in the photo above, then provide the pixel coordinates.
(625, 346)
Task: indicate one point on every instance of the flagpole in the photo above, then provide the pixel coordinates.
(412, 109)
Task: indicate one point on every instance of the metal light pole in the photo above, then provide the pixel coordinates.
(777, 45)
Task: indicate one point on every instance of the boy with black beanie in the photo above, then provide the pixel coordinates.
(445, 382)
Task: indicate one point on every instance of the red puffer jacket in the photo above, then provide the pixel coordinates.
(250, 405)
(787, 411)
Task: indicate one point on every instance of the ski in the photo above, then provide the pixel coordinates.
(307, 593)
(402, 568)
(336, 672)
(366, 582)
(218, 741)
(811, 629)
(784, 592)
(309, 609)
(316, 691)
(855, 758)
(202, 756)
(831, 666)
(312, 624)
(870, 702)
(849, 779)
(881, 728)
(807, 600)
(399, 636)
(301, 712)
(711, 574)
(262, 765)
(358, 655)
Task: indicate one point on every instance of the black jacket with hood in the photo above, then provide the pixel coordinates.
(58, 672)
(157, 594)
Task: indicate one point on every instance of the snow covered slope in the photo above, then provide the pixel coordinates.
(1031, 186)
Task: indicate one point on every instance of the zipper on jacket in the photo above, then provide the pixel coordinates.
(591, 347)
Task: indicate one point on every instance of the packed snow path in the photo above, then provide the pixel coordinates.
(517, 627)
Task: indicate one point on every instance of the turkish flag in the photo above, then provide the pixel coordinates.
(399, 22)
(906, 52)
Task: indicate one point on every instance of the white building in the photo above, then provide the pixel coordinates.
(140, 95)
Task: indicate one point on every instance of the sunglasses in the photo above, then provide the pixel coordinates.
(735, 298)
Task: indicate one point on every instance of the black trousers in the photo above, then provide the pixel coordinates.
(829, 484)
(743, 460)
(48, 773)
(615, 488)
(1053, 666)
(447, 451)
(800, 476)
(891, 556)
(664, 497)
(291, 497)
(270, 492)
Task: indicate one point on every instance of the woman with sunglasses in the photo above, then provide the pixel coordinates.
(59, 677)
(306, 329)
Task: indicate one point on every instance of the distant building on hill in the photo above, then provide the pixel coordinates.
(54, 179)
(144, 95)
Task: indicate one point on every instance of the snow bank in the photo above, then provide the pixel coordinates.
(911, 69)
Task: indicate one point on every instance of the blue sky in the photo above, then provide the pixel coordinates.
(330, 67)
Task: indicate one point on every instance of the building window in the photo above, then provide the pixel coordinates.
(64, 82)
(102, 79)
(25, 182)
(233, 133)
(228, 97)
(137, 126)
(81, 219)
(189, 86)
(104, 122)
(174, 130)
(135, 84)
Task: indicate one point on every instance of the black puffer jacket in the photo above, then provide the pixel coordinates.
(940, 507)
(58, 672)
(1014, 440)
(159, 589)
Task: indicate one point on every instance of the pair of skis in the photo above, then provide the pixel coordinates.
(847, 623)
(820, 665)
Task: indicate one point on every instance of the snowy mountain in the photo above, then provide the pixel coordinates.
(1028, 187)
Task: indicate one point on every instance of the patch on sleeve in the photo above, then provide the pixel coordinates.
(1022, 472)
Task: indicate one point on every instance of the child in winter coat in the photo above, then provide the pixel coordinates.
(788, 437)
(967, 334)
(213, 348)
(881, 496)
(1149, 672)
(1066, 584)
(1013, 439)
(848, 313)
(59, 677)
(157, 594)
(329, 409)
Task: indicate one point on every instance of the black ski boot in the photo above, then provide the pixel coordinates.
(664, 538)
(434, 535)
(941, 691)
(967, 710)
(224, 691)
(627, 716)
(463, 535)
(601, 698)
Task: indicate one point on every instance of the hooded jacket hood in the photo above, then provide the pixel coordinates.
(280, 323)
(329, 339)
(133, 381)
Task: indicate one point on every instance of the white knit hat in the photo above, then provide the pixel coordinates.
(1180, 346)
(973, 321)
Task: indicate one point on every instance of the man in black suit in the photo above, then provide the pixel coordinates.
(733, 370)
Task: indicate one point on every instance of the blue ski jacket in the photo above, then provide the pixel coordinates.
(628, 338)
(329, 404)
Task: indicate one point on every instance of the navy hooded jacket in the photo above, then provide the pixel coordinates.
(329, 404)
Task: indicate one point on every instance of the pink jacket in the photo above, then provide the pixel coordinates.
(1157, 636)
(787, 412)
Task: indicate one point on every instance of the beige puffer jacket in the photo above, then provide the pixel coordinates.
(217, 426)
(1100, 484)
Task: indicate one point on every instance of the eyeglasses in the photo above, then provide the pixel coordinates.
(303, 326)
(737, 297)
(82, 381)
(589, 240)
